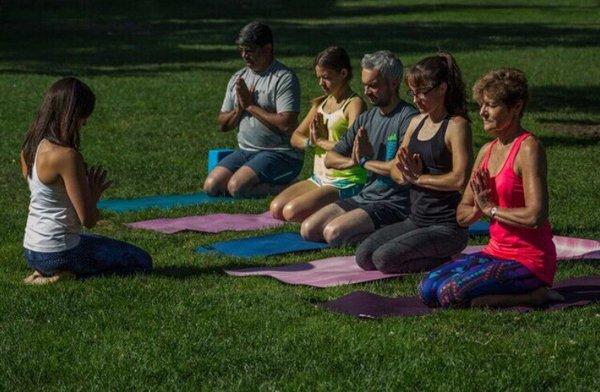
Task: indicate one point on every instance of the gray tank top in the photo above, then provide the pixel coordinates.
(52, 223)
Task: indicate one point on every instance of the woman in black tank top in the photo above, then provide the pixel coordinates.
(435, 159)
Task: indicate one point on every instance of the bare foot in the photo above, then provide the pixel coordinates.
(38, 279)
(32, 277)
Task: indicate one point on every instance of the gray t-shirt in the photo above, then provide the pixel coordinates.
(276, 90)
(385, 132)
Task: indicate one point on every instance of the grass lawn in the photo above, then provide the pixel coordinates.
(159, 71)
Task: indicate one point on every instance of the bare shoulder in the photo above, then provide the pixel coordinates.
(483, 150)
(459, 124)
(412, 125)
(415, 120)
(61, 157)
(531, 149)
(356, 105)
(531, 144)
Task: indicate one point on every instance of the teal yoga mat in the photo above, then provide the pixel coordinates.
(159, 201)
(265, 245)
(479, 228)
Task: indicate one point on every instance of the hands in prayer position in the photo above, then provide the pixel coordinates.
(480, 184)
(409, 165)
(97, 181)
(243, 94)
(362, 147)
(318, 130)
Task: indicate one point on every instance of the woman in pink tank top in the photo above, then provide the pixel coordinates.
(508, 185)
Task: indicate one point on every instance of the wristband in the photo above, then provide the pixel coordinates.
(362, 161)
(308, 143)
(493, 212)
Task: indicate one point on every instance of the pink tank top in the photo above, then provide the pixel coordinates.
(531, 247)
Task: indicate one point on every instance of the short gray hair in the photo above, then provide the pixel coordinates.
(385, 62)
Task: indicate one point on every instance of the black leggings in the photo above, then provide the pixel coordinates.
(406, 247)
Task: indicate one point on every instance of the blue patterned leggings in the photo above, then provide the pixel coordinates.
(455, 284)
(93, 255)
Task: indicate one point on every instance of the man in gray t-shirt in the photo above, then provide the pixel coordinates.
(262, 100)
(371, 142)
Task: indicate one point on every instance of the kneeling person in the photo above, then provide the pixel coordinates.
(371, 142)
(263, 101)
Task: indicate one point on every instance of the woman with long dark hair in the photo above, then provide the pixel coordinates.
(329, 118)
(64, 194)
(435, 159)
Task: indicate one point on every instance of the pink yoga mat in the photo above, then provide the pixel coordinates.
(214, 223)
(337, 271)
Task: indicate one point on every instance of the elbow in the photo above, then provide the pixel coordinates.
(90, 220)
(296, 144)
(89, 223)
(223, 127)
(459, 182)
(535, 221)
(328, 163)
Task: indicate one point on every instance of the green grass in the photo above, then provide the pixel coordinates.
(159, 72)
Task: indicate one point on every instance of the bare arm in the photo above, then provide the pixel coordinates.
(380, 167)
(302, 132)
(282, 123)
(83, 187)
(532, 166)
(229, 120)
(395, 173)
(334, 160)
(467, 211)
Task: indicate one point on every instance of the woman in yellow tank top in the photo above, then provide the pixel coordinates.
(329, 118)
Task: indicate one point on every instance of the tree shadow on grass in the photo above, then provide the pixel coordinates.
(184, 272)
(155, 37)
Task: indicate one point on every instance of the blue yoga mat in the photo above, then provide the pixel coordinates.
(479, 228)
(160, 201)
(265, 245)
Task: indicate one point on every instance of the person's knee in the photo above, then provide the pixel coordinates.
(276, 209)
(427, 292)
(448, 294)
(387, 260)
(237, 187)
(212, 187)
(311, 231)
(364, 255)
(334, 235)
(292, 212)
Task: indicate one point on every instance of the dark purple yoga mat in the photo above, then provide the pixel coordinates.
(577, 292)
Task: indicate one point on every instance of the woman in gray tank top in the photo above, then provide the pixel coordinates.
(435, 159)
(64, 194)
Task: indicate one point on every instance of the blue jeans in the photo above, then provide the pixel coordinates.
(94, 255)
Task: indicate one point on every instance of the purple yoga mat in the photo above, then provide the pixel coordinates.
(214, 223)
(337, 271)
(577, 292)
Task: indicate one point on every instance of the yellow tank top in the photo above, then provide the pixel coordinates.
(337, 125)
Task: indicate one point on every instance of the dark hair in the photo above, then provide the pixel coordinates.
(255, 34)
(65, 104)
(505, 85)
(435, 70)
(334, 58)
